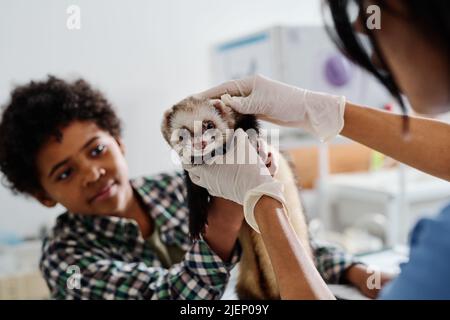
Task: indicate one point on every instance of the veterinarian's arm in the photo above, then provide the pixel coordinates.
(385, 135)
(296, 274)
(326, 116)
(224, 222)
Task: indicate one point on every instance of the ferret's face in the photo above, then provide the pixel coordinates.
(198, 129)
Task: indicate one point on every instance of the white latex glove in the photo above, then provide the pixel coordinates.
(235, 177)
(318, 113)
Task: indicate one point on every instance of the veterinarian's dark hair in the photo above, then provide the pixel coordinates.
(38, 111)
(431, 17)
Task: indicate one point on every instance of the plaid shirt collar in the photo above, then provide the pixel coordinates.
(163, 196)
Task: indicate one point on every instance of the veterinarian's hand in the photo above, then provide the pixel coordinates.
(240, 176)
(318, 113)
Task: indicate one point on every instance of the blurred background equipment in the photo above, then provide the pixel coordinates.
(303, 56)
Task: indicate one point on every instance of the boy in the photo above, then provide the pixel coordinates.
(61, 143)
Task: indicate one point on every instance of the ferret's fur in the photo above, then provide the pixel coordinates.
(256, 276)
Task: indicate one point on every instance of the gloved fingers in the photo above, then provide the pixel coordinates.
(195, 177)
(242, 151)
(218, 159)
(240, 142)
(253, 157)
(239, 104)
(240, 87)
(221, 89)
(187, 166)
(291, 124)
(268, 118)
(239, 148)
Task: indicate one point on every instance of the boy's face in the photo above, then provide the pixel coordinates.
(86, 172)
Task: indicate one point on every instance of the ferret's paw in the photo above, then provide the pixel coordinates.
(268, 156)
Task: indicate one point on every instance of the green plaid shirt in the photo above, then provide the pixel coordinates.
(105, 257)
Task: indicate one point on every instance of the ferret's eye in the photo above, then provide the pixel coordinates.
(208, 125)
(183, 135)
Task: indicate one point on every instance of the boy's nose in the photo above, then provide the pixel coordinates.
(92, 175)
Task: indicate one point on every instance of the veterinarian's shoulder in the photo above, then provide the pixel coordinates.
(163, 192)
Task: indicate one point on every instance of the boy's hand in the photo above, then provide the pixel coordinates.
(368, 281)
(225, 219)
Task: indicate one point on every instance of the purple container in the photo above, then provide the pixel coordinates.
(338, 70)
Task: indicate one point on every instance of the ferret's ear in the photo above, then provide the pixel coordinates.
(166, 118)
(165, 125)
(221, 107)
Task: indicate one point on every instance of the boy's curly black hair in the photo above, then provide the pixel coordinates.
(38, 111)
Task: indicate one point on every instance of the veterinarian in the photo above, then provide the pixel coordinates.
(410, 56)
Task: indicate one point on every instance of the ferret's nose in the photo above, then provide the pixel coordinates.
(200, 145)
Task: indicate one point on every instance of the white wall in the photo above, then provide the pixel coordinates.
(145, 55)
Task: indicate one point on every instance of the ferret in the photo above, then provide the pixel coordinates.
(256, 280)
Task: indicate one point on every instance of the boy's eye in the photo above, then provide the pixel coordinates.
(64, 175)
(98, 150)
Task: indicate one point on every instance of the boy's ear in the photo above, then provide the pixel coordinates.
(121, 144)
(44, 199)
